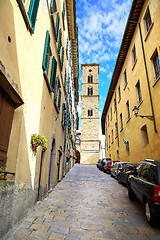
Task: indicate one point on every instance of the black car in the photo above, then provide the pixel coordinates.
(123, 173)
(144, 183)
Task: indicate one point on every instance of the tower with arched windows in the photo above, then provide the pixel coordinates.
(90, 145)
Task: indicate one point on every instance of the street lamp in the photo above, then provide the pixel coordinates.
(136, 110)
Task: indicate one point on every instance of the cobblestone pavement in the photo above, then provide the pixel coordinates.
(87, 204)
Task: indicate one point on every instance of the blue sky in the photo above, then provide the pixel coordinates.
(101, 25)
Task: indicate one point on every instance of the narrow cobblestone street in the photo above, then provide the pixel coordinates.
(87, 204)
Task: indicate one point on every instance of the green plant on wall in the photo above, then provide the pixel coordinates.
(38, 140)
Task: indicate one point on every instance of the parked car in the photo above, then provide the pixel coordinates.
(123, 174)
(98, 163)
(117, 167)
(144, 184)
(107, 167)
(103, 162)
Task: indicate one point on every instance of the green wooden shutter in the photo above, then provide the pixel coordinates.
(59, 41)
(62, 58)
(63, 9)
(56, 93)
(57, 24)
(63, 114)
(46, 54)
(59, 100)
(53, 74)
(32, 13)
(52, 5)
(65, 77)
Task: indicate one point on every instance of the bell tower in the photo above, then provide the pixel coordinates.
(90, 144)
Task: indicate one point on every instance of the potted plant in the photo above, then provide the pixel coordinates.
(3, 174)
(38, 140)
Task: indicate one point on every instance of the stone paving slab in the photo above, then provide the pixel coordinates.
(88, 204)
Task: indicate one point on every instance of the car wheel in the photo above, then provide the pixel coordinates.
(149, 215)
(131, 194)
(111, 175)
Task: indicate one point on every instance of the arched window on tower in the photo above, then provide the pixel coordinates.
(90, 91)
(90, 79)
(90, 112)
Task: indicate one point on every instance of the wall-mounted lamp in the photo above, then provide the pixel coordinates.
(136, 110)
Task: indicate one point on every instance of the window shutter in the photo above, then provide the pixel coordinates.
(59, 100)
(32, 13)
(63, 114)
(65, 77)
(52, 5)
(59, 42)
(63, 9)
(53, 74)
(56, 93)
(57, 24)
(46, 55)
(62, 58)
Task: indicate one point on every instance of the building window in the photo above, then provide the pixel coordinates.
(127, 110)
(117, 155)
(116, 130)
(119, 93)
(90, 91)
(127, 150)
(53, 6)
(147, 21)
(144, 136)
(53, 74)
(32, 13)
(90, 79)
(138, 93)
(155, 65)
(90, 112)
(111, 113)
(115, 105)
(134, 58)
(57, 96)
(46, 53)
(109, 141)
(112, 135)
(125, 78)
(121, 121)
(57, 24)
(108, 120)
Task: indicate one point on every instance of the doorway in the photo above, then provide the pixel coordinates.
(51, 167)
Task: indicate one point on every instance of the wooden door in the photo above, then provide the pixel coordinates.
(6, 117)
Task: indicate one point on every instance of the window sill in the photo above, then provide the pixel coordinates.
(140, 104)
(134, 64)
(147, 34)
(156, 80)
(119, 100)
(25, 15)
(128, 120)
(125, 85)
(121, 130)
(47, 81)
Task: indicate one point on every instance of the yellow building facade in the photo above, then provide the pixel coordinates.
(89, 148)
(135, 82)
(38, 95)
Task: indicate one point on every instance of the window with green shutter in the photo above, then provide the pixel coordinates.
(53, 3)
(57, 24)
(63, 9)
(65, 77)
(46, 53)
(32, 13)
(53, 74)
(62, 58)
(63, 115)
(59, 41)
(56, 92)
(59, 100)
